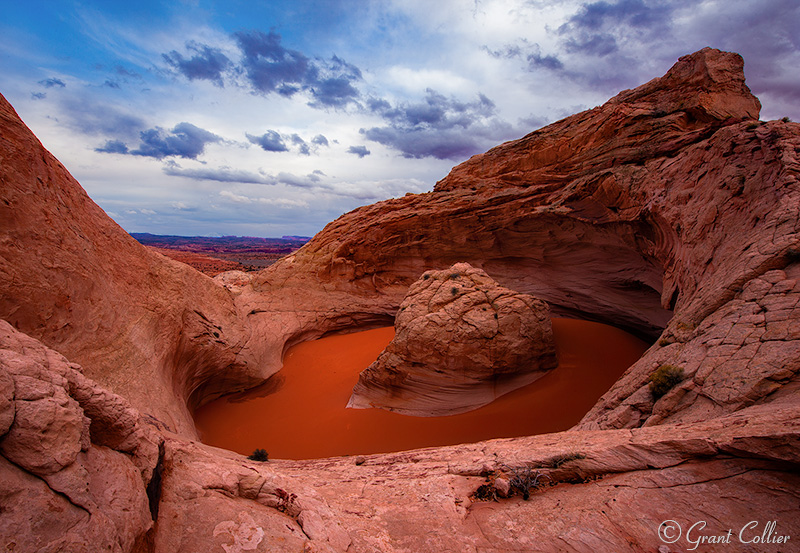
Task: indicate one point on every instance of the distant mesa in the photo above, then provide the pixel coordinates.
(213, 255)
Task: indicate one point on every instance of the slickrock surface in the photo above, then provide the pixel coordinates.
(670, 210)
(75, 459)
(461, 340)
(89, 473)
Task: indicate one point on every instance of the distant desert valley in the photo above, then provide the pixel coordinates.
(585, 339)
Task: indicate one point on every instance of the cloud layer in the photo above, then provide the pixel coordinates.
(274, 118)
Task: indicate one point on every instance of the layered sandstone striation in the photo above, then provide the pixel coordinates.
(461, 340)
(670, 210)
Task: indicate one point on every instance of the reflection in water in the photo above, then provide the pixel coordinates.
(300, 412)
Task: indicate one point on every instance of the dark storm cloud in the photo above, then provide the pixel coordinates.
(529, 51)
(633, 12)
(184, 140)
(333, 92)
(596, 27)
(269, 67)
(596, 44)
(218, 174)
(52, 82)
(302, 145)
(436, 111)
(270, 141)
(611, 45)
(206, 63)
(331, 83)
(360, 151)
(273, 141)
(548, 62)
(440, 144)
(113, 147)
(440, 127)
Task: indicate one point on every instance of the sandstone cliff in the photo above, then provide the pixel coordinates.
(140, 324)
(609, 214)
(670, 210)
(658, 211)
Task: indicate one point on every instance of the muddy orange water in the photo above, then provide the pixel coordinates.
(300, 412)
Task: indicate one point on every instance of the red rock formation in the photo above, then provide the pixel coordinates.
(461, 341)
(669, 198)
(149, 328)
(76, 459)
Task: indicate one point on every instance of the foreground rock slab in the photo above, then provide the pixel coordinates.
(461, 340)
(75, 459)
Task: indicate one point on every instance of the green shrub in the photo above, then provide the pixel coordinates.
(259, 455)
(786, 120)
(664, 379)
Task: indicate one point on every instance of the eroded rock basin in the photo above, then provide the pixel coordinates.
(300, 412)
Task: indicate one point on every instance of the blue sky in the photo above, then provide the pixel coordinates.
(274, 118)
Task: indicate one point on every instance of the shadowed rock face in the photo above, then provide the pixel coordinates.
(668, 210)
(461, 340)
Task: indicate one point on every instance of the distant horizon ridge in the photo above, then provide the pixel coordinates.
(221, 237)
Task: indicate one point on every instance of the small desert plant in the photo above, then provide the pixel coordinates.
(563, 459)
(485, 492)
(664, 379)
(525, 479)
(665, 342)
(752, 126)
(259, 455)
(454, 290)
(786, 120)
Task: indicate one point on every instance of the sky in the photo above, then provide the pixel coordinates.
(255, 118)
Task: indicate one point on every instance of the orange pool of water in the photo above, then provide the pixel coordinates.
(300, 412)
